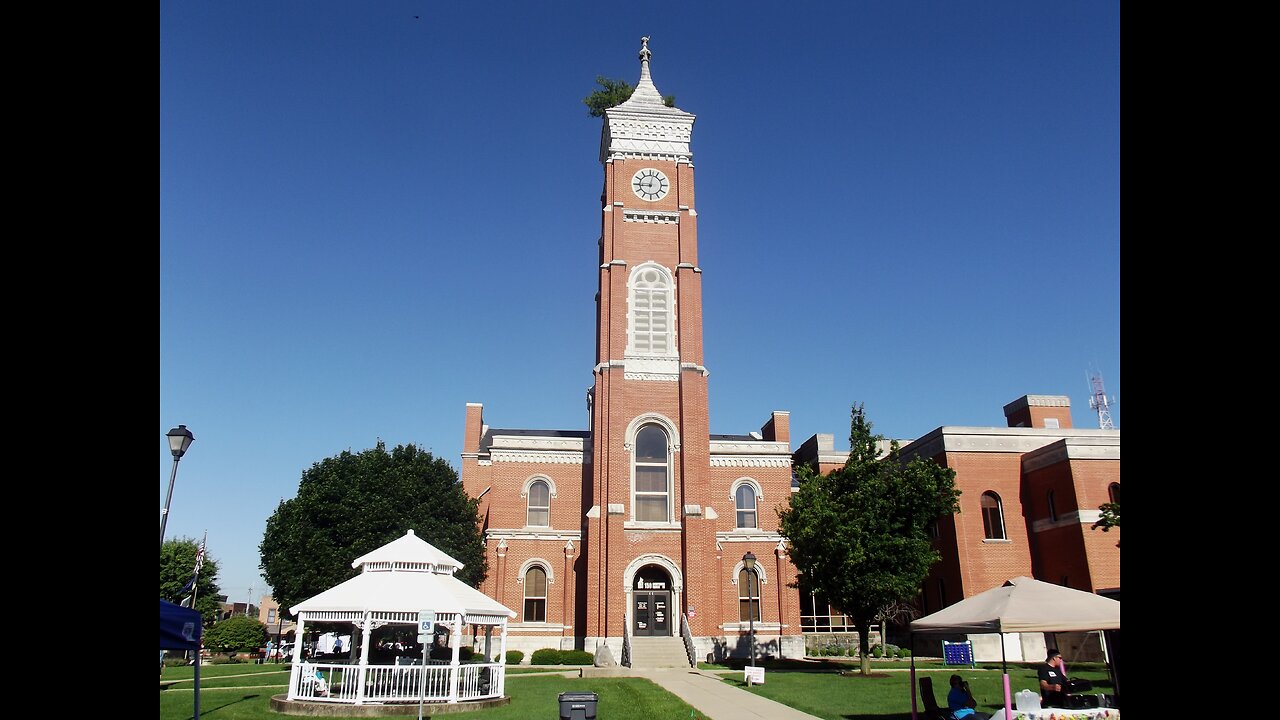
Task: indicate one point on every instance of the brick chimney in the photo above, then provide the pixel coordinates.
(1039, 411)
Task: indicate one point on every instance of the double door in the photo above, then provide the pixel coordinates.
(651, 612)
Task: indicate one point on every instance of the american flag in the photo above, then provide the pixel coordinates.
(200, 554)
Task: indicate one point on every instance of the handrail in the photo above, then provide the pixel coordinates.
(626, 639)
(688, 640)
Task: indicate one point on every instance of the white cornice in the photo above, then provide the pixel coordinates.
(994, 440)
(535, 442)
(662, 217)
(741, 454)
(1082, 517)
(1107, 448)
(750, 461)
(535, 456)
(748, 536)
(523, 534)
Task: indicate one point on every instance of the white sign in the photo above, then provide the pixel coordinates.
(753, 675)
(426, 621)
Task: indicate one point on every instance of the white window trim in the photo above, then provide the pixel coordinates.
(733, 498)
(551, 494)
(536, 562)
(672, 350)
(673, 447)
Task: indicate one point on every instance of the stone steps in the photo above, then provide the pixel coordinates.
(650, 653)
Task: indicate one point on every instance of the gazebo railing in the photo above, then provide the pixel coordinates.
(398, 683)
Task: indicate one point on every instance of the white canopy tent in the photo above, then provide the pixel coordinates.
(1022, 604)
(397, 582)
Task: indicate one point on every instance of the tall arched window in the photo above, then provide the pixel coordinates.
(748, 595)
(1053, 505)
(1113, 492)
(745, 500)
(653, 476)
(992, 516)
(651, 312)
(539, 504)
(535, 595)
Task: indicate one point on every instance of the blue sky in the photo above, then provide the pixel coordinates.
(369, 219)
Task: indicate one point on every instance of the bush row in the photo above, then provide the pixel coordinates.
(547, 656)
(877, 651)
(514, 657)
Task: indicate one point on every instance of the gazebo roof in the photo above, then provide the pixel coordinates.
(408, 549)
(406, 575)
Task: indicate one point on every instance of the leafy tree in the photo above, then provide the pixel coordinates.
(1110, 516)
(354, 503)
(860, 534)
(236, 634)
(613, 93)
(177, 565)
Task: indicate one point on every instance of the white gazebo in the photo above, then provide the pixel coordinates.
(397, 582)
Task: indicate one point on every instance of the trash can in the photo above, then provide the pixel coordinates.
(578, 705)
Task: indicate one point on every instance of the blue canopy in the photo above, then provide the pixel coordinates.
(179, 627)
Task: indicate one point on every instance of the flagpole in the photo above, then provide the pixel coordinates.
(195, 588)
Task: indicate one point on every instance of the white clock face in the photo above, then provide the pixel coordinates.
(649, 184)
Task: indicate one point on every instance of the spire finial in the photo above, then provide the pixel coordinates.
(644, 49)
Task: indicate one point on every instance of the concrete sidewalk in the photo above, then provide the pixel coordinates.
(717, 700)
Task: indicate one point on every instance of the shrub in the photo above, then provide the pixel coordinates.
(904, 653)
(576, 657)
(176, 662)
(877, 652)
(546, 656)
(851, 651)
(465, 654)
(514, 657)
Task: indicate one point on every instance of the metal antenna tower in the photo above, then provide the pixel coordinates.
(1099, 402)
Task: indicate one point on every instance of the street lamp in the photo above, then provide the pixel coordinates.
(180, 438)
(749, 562)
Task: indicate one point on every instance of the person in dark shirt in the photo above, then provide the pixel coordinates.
(1053, 682)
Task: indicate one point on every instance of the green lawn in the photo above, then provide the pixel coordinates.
(886, 695)
(532, 698)
(821, 692)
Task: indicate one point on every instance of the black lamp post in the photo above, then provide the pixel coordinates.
(749, 562)
(180, 438)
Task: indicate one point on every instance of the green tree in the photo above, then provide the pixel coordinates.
(613, 93)
(354, 503)
(1110, 516)
(236, 634)
(177, 565)
(860, 534)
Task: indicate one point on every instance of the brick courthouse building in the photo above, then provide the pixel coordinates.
(637, 527)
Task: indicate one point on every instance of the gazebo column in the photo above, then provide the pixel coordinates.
(296, 669)
(488, 643)
(502, 650)
(455, 634)
(366, 629)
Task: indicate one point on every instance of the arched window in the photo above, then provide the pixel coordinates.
(535, 595)
(539, 504)
(1113, 492)
(992, 516)
(745, 500)
(653, 476)
(1053, 506)
(748, 595)
(651, 312)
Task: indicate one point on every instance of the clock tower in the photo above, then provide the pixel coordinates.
(635, 533)
(649, 401)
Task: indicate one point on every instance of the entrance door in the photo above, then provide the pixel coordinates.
(651, 602)
(652, 612)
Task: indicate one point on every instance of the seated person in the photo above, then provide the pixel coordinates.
(961, 703)
(1053, 682)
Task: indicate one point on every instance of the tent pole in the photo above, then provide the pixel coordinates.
(911, 641)
(1004, 665)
